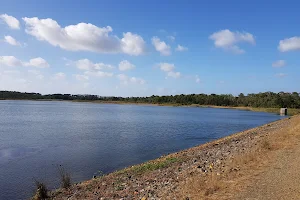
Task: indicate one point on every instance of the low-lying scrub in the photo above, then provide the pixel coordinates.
(65, 177)
(41, 191)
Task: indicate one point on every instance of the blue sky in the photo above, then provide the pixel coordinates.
(135, 48)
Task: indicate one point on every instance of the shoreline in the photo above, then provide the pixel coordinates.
(165, 176)
(291, 111)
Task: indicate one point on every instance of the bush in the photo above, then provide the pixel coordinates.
(65, 177)
(41, 191)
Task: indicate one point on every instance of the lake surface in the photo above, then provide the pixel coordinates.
(37, 136)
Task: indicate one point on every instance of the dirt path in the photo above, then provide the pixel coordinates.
(281, 179)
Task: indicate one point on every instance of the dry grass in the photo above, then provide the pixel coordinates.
(238, 170)
(266, 144)
(201, 187)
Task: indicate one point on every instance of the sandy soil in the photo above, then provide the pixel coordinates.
(261, 163)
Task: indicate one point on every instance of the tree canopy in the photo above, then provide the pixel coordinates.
(265, 99)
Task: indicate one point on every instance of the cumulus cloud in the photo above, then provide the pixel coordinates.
(86, 64)
(174, 74)
(289, 44)
(12, 41)
(11, 21)
(133, 44)
(84, 37)
(37, 62)
(161, 46)
(12, 61)
(171, 37)
(279, 63)
(37, 74)
(181, 48)
(81, 77)
(126, 80)
(228, 40)
(98, 74)
(92, 69)
(166, 67)
(169, 69)
(59, 76)
(197, 79)
(281, 75)
(125, 65)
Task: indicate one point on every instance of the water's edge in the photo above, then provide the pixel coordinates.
(207, 147)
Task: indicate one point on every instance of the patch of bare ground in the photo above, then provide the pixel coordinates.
(223, 169)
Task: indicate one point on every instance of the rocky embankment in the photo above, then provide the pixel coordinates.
(197, 173)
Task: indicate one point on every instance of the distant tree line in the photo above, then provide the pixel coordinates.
(265, 99)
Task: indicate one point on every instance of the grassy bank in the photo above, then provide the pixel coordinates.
(291, 111)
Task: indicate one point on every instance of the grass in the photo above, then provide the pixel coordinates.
(151, 166)
(291, 111)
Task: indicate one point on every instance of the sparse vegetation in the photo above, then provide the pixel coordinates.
(211, 190)
(266, 144)
(65, 177)
(151, 166)
(41, 191)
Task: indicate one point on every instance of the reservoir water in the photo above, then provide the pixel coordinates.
(38, 136)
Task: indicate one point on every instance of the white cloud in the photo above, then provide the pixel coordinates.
(166, 67)
(169, 69)
(37, 62)
(80, 77)
(126, 80)
(11, 21)
(98, 74)
(228, 40)
(198, 80)
(279, 63)
(37, 74)
(31, 80)
(281, 75)
(86, 64)
(126, 65)
(12, 41)
(181, 48)
(133, 44)
(161, 46)
(92, 69)
(137, 80)
(12, 61)
(122, 77)
(171, 37)
(289, 44)
(174, 74)
(84, 37)
(59, 76)
(12, 72)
